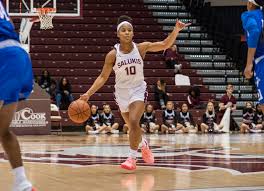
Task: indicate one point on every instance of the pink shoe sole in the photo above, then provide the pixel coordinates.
(127, 167)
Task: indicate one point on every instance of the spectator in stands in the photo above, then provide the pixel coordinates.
(172, 58)
(148, 120)
(45, 80)
(52, 90)
(108, 120)
(259, 118)
(64, 94)
(248, 124)
(185, 119)
(169, 119)
(193, 99)
(161, 95)
(227, 101)
(36, 79)
(209, 119)
(94, 124)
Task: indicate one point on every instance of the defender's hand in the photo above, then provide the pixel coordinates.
(248, 72)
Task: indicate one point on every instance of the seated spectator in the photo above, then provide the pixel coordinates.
(172, 59)
(52, 91)
(125, 129)
(45, 80)
(185, 119)
(193, 99)
(259, 118)
(36, 79)
(64, 95)
(148, 120)
(108, 120)
(169, 116)
(209, 119)
(247, 124)
(227, 101)
(94, 123)
(161, 95)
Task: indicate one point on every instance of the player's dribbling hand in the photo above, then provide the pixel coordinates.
(180, 25)
(248, 72)
(85, 97)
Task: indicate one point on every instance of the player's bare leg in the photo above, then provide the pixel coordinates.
(12, 148)
(136, 110)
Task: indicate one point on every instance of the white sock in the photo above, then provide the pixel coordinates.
(19, 175)
(143, 142)
(133, 153)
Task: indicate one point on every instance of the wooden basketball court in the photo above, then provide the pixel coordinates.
(183, 162)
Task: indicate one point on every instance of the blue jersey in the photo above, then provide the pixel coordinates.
(7, 29)
(252, 23)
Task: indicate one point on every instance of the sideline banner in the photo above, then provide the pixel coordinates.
(33, 115)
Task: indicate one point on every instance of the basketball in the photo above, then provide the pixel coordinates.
(79, 111)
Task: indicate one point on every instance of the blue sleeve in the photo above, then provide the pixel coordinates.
(253, 32)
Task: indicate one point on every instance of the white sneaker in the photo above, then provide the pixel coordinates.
(115, 131)
(23, 186)
(93, 132)
(255, 130)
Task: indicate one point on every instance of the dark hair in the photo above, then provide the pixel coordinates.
(68, 86)
(95, 107)
(196, 91)
(43, 78)
(185, 104)
(124, 18)
(162, 81)
(229, 85)
(148, 105)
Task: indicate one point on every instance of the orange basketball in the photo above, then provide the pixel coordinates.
(79, 111)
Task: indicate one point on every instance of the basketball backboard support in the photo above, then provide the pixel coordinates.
(27, 11)
(27, 8)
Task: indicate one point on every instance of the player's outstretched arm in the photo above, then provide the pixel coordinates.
(103, 77)
(166, 43)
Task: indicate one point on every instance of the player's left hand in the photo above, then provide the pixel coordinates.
(248, 72)
(180, 25)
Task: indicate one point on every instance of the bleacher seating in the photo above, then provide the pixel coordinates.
(76, 48)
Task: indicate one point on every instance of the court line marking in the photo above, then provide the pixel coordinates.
(223, 189)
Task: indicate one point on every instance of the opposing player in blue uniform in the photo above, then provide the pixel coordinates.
(16, 83)
(253, 25)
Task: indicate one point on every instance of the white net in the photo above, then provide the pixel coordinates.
(46, 17)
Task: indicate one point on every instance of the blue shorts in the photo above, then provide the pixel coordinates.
(16, 77)
(259, 80)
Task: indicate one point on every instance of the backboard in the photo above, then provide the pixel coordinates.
(27, 8)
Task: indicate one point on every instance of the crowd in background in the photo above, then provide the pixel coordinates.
(174, 120)
(60, 92)
(180, 120)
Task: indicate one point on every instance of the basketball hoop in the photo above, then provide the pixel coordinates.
(45, 16)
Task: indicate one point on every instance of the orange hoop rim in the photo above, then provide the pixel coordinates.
(46, 10)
